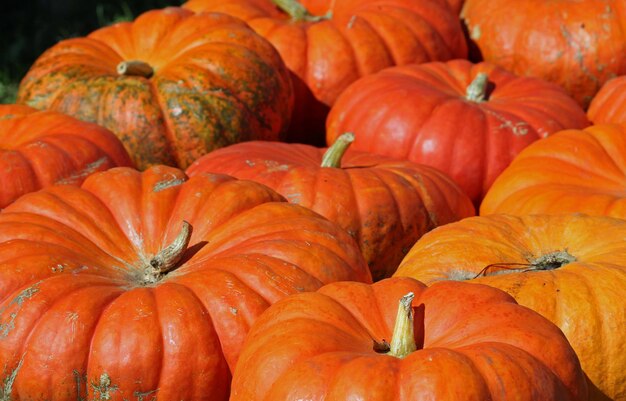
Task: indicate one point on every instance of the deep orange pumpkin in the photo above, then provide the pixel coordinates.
(42, 148)
(327, 45)
(609, 104)
(569, 268)
(572, 171)
(106, 294)
(467, 342)
(171, 85)
(385, 204)
(576, 44)
(468, 120)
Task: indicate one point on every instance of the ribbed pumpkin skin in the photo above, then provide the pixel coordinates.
(584, 298)
(76, 321)
(609, 104)
(572, 171)
(475, 343)
(576, 44)
(42, 148)
(421, 113)
(362, 37)
(215, 83)
(386, 205)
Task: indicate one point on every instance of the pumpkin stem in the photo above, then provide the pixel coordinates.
(333, 155)
(477, 90)
(552, 260)
(166, 260)
(298, 12)
(135, 68)
(403, 338)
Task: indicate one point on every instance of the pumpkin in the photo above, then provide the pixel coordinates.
(171, 85)
(400, 340)
(145, 284)
(42, 148)
(609, 104)
(576, 44)
(329, 44)
(386, 205)
(468, 120)
(571, 171)
(569, 268)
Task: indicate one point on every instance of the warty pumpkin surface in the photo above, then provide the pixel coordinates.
(456, 341)
(171, 85)
(572, 171)
(578, 45)
(327, 45)
(385, 204)
(468, 120)
(569, 268)
(145, 284)
(42, 148)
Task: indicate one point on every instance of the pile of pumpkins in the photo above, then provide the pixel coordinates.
(277, 200)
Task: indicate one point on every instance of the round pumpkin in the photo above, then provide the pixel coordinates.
(400, 340)
(329, 44)
(576, 44)
(385, 204)
(609, 104)
(147, 283)
(571, 171)
(569, 268)
(171, 85)
(42, 148)
(468, 120)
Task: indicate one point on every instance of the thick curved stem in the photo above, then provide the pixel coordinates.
(477, 90)
(166, 260)
(298, 12)
(333, 155)
(403, 338)
(136, 68)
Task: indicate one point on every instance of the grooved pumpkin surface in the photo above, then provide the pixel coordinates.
(585, 297)
(42, 148)
(385, 204)
(78, 318)
(215, 83)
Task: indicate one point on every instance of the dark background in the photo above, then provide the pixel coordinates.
(29, 27)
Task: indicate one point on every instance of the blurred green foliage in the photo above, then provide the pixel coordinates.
(29, 27)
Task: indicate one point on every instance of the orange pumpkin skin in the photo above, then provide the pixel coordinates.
(83, 316)
(423, 113)
(474, 343)
(585, 297)
(361, 37)
(386, 205)
(42, 148)
(215, 82)
(572, 171)
(609, 104)
(575, 44)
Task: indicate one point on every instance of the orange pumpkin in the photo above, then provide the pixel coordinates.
(385, 204)
(171, 85)
(42, 148)
(609, 104)
(571, 171)
(447, 342)
(147, 283)
(569, 268)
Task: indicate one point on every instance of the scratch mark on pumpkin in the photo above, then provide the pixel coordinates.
(78, 381)
(7, 383)
(103, 388)
(82, 174)
(8, 326)
(476, 33)
(140, 395)
(165, 184)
